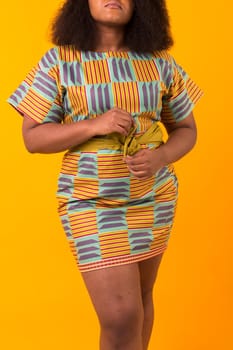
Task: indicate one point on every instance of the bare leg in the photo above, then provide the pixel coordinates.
(148, 272)
(116, 295)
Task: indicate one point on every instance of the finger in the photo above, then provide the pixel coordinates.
(135, 161)
(121, 130)
(124, 122)
(140, 174)
(123, 115)
(137, 167)
(140, 154)
(125, 125)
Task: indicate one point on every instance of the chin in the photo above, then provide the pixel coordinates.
(115, 24)
(114, 21)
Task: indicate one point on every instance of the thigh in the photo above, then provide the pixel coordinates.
(148, 270)
(114, 290)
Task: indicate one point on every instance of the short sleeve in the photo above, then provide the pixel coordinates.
(39, 95)
(181, 96)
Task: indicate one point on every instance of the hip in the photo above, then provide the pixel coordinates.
(103, 176)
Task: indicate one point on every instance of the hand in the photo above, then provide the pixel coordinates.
(115, 120)
(146, 162)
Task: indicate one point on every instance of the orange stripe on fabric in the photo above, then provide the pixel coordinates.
(26, 108)
(77, 96)
(112, 165)
(82, 188)
(114, 244)
(136, 184)
(73, 250)
(38, 101)
(70, 164)
(117, 54)
(194, 91)
(102, 203)
(68, 53)
(83, 223)
(94, 70)
(62, 205)
(140, 217)
(122, 94)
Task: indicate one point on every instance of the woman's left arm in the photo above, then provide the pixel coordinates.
(182, 137)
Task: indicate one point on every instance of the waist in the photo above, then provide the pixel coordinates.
(129, 144)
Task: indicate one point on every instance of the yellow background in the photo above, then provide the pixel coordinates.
(44, 304)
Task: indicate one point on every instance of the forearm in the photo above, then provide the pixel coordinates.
(53, 138)
(179, 143)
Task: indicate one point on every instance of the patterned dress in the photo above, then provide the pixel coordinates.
(110, 218)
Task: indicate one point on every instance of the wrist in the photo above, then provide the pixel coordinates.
(163, 155)
(90, 123)
(95, 127)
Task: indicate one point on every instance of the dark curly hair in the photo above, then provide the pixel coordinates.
(147, 31)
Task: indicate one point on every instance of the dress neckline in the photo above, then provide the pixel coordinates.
(107, 51)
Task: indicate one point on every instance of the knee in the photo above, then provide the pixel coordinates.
(123, 321)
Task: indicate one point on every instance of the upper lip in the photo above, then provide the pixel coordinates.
(116, 3)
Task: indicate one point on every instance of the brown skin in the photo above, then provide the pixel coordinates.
(182, 138)
(110, 22)
(53, 138)
(122, 295)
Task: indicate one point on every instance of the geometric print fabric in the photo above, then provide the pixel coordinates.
(109, 217)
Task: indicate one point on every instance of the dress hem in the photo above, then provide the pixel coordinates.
(117, 261)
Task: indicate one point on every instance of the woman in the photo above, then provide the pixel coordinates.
(100, 94)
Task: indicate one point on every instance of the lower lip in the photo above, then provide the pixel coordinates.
(112, 6)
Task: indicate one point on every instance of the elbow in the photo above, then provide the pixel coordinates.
(191, 138)
(32, 143)
(31, 140)
(36, 147)
(194, 136)
(30, 146)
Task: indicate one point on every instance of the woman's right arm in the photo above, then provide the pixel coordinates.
(55, 137)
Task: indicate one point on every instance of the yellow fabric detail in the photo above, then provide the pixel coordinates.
(129, 144)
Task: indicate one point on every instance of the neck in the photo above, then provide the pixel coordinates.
(109, 38)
